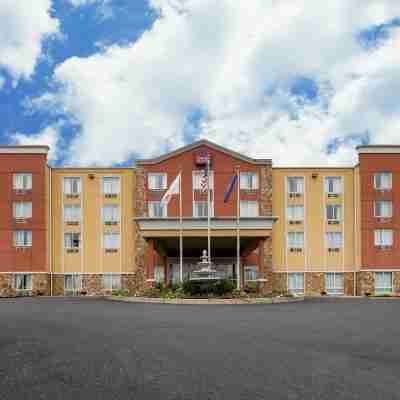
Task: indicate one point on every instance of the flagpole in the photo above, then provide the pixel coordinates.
(180, 230)
(238, 231)
(208, 211)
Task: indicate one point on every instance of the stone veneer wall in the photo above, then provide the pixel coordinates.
(279, 283)
(349, 284)
(266, 191)
(396, 283)
(365, 283)
(266, 267)
(140, 242)
(314, 283)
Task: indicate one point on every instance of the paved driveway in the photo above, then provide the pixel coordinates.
(95, 349)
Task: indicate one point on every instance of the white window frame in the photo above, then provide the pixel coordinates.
(113, 246)
(115, 216)
(25, 207)
(249, 212)
(25, 178)
(333, 244)
(195, 214)
(70, 244)
(250, 273)
(74, 216)
(378, 236)
(298, 278)
(150, 181)
(299, 187)
(389, 186)
(68, 187)
(289, 214)
(26, 280)
(338, 210)
(334, 290)
(27, 238)
(296, 242)
(111, 281)
(163, 207)
(114, 186)
(390, 215)
(76, 279)
(384, 289)
(249, 180)
(327, 185)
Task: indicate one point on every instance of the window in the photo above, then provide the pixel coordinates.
(112, 281)
(22, 181)
(23, 238)
(111, 214)
(157, 181)
(383, 181)
(333, 185)
(111, 241)
(334, 240)
(72, 240)
(72, 186)
(383, 282)
(111, 185)
(383, 237)
(383, 209)
(296, 240)
(157, 209)
(295, 185)
(250, 273)
(73, 282)
(296, 282)
(159, 274)
(200, 209)
(334, 283)
(248, 181)
(197, 175)
(295, 213)
(23, 281)
(333, 212)
(72, 213)
(248, 208)
(22, 210)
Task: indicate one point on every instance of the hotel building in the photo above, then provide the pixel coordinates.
(76, 231)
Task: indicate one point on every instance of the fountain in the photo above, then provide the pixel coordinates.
(205, 271)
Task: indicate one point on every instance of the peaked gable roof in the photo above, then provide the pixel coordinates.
(200, 143)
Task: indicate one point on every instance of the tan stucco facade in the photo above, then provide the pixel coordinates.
(92, 258)
(315, 257)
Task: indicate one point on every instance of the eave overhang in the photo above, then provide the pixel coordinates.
(201, 224)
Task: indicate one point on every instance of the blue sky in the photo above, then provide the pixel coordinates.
(107, 81)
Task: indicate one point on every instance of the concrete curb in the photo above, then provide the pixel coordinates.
(205, 301)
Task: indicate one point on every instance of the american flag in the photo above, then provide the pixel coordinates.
(204, 182)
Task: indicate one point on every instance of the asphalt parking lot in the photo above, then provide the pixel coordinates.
(97, 349)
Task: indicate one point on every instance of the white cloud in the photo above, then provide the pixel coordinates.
(23, 27)
(236, 61)
(49, 136)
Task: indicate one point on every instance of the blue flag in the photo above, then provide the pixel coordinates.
(230, 188)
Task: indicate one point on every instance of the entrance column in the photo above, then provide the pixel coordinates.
(150, 261)
(265, 265)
